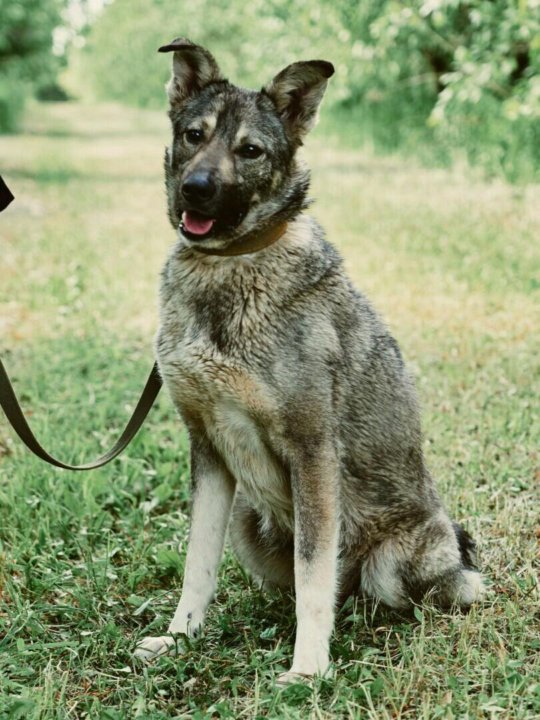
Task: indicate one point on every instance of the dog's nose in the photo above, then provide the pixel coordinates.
(199, 186)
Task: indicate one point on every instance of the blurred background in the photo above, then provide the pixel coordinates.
(437, 78)
(425, 175)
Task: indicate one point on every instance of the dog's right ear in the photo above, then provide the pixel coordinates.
(193, 69)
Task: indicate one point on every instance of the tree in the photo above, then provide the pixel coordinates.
(26, 58)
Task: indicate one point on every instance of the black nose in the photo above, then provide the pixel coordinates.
(199, 186)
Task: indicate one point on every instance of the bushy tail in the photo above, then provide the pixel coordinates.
(467, 548)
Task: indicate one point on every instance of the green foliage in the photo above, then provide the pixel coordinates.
(252, 41)
(446, 74)
(470, 70)
(26, 60)
(13, 92)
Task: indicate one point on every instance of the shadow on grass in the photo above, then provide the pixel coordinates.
(63, 176)
(61, 133)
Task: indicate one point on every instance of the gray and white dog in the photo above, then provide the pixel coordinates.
(303, 421)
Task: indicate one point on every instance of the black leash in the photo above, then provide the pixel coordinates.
(10, 405)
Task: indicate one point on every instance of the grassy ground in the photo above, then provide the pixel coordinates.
(88, 562)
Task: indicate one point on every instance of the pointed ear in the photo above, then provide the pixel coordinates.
(193, 68)
(297, 92)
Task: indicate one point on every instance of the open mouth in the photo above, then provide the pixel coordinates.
(195, 226)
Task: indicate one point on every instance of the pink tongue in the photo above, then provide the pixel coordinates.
(196, 224)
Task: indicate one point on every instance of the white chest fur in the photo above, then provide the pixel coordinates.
(238, 416)
(239, 440)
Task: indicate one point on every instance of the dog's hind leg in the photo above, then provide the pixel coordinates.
(436, 557)
(263, 548)
(213, 489)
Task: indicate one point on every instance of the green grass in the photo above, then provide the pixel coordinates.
(88, 561)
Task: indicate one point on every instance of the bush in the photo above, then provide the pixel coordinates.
(251, 41)
(26, 59)
(13, 93)
(470, 68)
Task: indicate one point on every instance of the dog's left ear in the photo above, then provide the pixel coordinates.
(193, 69)
(297, 92)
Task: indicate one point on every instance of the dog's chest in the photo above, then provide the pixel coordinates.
(260, 476)
(236, 406)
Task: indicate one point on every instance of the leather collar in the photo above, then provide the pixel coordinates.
(250, 245)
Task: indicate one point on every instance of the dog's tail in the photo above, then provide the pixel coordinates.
(467, 548)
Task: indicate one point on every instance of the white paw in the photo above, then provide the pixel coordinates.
(472, 588)
(151, 648)
(298, 675)
(290, 677)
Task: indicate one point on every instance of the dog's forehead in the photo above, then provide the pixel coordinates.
(233, 112)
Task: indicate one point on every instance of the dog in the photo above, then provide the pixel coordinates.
(304, 427)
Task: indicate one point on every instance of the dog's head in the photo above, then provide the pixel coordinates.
(230, 169)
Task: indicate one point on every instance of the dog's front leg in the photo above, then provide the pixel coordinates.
(213, 492)
(315, 497)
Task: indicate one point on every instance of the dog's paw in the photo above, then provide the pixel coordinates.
(151, 648)
(295, 675)
(472, 588)
(291, 677)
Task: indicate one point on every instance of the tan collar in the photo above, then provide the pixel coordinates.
(244, 247)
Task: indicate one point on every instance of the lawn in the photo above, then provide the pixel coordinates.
(89, 562)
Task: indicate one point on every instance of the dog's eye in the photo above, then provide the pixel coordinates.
(193, 136)
(249, 151)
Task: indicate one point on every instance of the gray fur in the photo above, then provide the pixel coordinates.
(284, 369)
